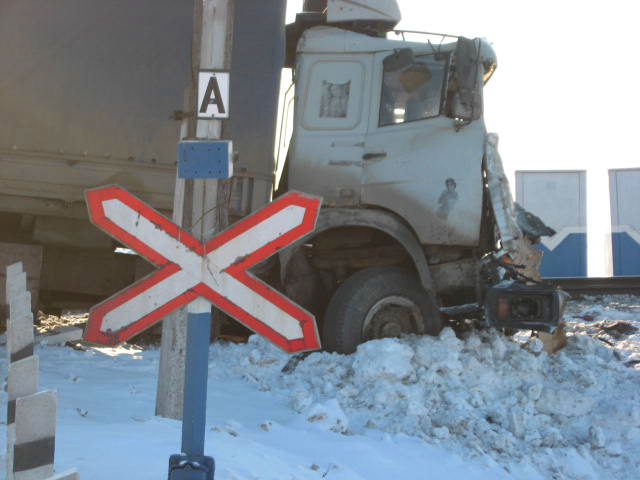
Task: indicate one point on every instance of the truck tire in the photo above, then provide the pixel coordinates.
(378, 302)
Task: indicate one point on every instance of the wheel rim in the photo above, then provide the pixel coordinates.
(390, 317)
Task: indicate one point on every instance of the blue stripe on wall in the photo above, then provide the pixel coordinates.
(568, 259)
(626, 254)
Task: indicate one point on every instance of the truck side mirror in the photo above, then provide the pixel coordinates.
(467, 100)
(400, 59)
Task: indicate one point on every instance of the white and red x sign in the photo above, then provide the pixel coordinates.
(215, 270)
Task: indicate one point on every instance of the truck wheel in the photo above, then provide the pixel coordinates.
(378, 302)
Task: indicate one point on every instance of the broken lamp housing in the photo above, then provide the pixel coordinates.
(513, 304)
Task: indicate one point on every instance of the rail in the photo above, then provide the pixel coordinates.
(598, 285)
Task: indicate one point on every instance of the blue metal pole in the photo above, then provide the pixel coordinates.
(195, 382)
(192, 464)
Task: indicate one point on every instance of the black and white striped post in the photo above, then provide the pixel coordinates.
(22, 378)
(22, 381)
(20, 306)
(20, 337)
(31, 415)
(16, 281)
(35, 438)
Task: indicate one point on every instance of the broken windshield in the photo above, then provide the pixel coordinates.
(414, 92)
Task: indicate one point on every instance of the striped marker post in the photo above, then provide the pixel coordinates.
(20, 338)
(16, 281)
(14, 268)
(35, 440)
(31, 416)
(20, 306)
(22, 378)
(16, 284)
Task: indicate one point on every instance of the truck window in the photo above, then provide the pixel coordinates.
(414, 92)
(333, 97)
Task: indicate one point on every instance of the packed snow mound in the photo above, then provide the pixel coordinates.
(573, 415)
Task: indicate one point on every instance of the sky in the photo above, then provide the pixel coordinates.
(563, 96)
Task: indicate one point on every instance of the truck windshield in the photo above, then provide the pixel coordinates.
(414, 92)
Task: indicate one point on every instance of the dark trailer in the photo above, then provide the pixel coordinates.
(92, 93)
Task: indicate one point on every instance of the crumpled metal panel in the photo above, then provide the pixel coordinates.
(501, 199)
(514, 243)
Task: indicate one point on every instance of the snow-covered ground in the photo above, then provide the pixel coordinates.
(484, 407)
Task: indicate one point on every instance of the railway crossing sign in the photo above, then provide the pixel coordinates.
(215, 270)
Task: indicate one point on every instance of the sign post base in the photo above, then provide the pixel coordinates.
(185, 467)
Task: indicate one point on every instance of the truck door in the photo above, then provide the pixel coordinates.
(331, 123)
(415, 162)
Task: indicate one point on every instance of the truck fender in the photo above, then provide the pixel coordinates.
(382, 220)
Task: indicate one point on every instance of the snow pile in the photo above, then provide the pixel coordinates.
(106, 428)
(485, 406)
(573, 415)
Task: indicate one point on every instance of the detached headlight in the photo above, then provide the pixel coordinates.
(532, 307)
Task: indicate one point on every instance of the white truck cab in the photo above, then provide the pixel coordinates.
(417, 215)
(375, 126)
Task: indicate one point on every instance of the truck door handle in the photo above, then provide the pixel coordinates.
(372, 155)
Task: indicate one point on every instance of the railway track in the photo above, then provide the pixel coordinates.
(598, 285)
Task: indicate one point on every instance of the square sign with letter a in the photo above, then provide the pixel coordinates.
(213, 94)
(205, 159)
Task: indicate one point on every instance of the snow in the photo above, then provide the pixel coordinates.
(484, 406)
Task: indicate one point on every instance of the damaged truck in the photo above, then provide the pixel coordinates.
(417, 225)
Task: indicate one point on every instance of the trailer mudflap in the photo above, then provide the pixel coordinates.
(514, 304)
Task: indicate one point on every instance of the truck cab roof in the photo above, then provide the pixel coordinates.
(328, 39)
